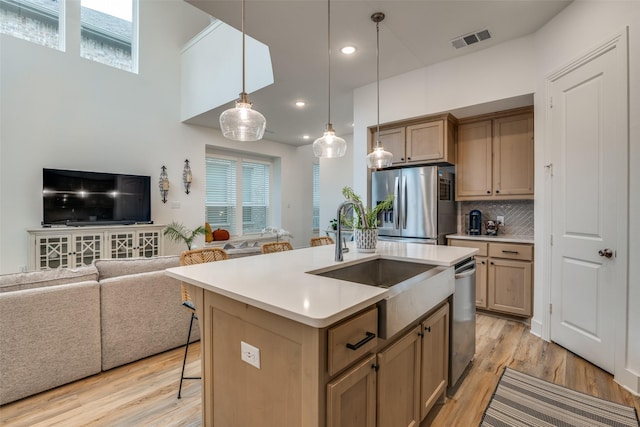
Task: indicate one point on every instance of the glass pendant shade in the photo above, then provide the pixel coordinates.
(329, 145)
(242, 123)
(379, 158)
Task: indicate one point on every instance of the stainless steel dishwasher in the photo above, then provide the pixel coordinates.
(462, 345)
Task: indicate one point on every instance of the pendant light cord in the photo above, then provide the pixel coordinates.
(243, 53)
(329, 61)
(378, 80)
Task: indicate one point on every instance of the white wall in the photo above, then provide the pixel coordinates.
(62, 111)
(514, 69)
(335, 174)
(568, 36)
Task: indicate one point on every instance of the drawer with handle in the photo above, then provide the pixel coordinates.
(350, 340)
(511, 251)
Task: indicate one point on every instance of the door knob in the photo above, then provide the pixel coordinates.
(607, 253)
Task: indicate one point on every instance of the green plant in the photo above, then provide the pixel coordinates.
(179, 233)
(370, 215)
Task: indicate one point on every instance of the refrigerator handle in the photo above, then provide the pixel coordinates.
(396, 212)
(404, 202)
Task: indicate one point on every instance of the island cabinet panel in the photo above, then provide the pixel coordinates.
(284, 391)
(435, 359)
(351, 399)
(399, 382)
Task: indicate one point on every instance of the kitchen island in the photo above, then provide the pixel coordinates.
(311, 352)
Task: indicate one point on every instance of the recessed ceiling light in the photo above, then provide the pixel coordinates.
(305, 136)
(300, 104)
(348, 50)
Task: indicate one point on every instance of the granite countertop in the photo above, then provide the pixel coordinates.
(503, 238)
(280, 283)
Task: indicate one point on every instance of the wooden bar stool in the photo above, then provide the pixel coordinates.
(195, 256)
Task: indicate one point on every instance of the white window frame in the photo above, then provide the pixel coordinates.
(239, 158)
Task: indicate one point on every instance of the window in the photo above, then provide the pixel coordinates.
(237, 194)
(37, 21)
(316, 197)
(108, 32)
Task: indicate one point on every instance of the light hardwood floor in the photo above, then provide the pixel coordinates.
(144, 393)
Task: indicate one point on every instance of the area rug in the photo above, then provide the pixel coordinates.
(521, 400)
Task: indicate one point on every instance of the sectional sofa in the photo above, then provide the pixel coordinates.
(58, 326)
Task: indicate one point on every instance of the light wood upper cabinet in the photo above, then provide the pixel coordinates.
(474, 166)
(495, 157)
(393, 140)
(429, 139)
(513, 156)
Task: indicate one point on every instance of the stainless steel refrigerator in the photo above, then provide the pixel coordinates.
(424, 209)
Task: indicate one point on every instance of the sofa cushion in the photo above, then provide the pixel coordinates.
(108, 268)
(141, 315)
(48, 337)
(41, 279)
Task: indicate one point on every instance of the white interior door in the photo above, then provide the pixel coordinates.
(588, 109)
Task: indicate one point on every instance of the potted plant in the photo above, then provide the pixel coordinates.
(366, 238)
(179, 233)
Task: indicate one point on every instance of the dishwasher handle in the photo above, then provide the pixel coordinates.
(465, 269)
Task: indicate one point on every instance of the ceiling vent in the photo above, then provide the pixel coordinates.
(469, 39)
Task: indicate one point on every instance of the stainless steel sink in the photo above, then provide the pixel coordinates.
(413, 288)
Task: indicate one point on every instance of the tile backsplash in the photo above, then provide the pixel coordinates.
(518, 215)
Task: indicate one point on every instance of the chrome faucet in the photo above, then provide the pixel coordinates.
(338, 256)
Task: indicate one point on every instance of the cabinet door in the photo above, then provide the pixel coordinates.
(351, 398)
(513, 155)
(399, 382)
(393, 140)
(474, 163)
(509, 286)
(148, 243)
(121, 244)
(435, 359)
(481, 282)
(86, 248)
(426, 142)
(53, 251)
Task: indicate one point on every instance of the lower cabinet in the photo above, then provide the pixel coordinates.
(351, 399)
(399, 384)
(504, 276)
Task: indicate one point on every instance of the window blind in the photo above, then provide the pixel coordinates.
(220, 197)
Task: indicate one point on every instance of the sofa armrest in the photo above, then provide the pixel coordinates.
(48, 337)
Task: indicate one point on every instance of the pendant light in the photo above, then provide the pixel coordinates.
(329, 145)
(242, 123)
(378, 158)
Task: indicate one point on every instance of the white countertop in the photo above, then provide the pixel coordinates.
(279, 282)
(504, 238)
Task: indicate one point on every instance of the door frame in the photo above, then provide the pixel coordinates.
(618, 42)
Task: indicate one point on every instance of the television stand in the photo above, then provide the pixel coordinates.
(77, 246)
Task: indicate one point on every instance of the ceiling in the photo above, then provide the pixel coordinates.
(413, 35)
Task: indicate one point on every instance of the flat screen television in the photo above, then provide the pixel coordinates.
(78, 198)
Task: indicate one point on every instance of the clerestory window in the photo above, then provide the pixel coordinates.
(38, 21)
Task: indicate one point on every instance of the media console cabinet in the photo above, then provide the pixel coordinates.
(72, 247)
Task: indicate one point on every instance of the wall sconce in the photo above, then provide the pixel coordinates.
(163, 184)
(187, 178)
